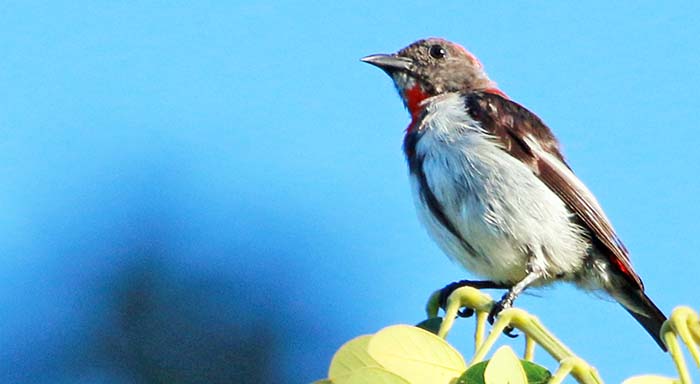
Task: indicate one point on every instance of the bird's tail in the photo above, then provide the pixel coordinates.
(640, 306)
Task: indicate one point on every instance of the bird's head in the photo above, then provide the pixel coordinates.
(431, 67)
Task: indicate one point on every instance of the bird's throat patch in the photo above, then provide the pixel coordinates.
(414, 96)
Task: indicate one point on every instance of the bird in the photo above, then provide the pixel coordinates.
(493, 190)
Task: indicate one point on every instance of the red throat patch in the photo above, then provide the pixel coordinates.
(414, 96)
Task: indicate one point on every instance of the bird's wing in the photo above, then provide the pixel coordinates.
(524, 136)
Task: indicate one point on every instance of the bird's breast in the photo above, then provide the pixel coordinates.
(497, 215)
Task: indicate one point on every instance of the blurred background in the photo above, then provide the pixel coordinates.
(214, 192)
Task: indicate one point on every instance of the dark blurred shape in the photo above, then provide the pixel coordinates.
(184, 328)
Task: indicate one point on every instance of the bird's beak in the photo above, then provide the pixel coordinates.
(389, 63)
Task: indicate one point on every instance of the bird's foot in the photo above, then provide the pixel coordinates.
(478, 284)
(447, 291)
(505, 302)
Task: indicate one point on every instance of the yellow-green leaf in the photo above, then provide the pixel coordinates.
(504, 367)
(649, 379)
(536, 374)
(416, 355)
(350, 357)
(324, 381)
(372, 375)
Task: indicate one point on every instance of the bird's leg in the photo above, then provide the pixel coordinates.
(510, 296)
(478, 284)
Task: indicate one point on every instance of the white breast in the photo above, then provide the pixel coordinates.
(506, 214)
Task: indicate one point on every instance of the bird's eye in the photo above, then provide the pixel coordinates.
(437, 51)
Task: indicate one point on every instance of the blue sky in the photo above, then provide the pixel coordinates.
(247, 144)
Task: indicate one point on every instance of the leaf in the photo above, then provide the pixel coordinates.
(431, 325)
(323, 381)
(350, 357)
(536, 374)
(504, 367)
(416, 355)
(372, 375)
(649, 379)
(473, 375)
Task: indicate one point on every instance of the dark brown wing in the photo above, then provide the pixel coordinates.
(524, 136)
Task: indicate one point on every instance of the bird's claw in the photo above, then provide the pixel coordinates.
(505, 302)
(495, 310)
(465, 312)
(447, 291)
(510, 332)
